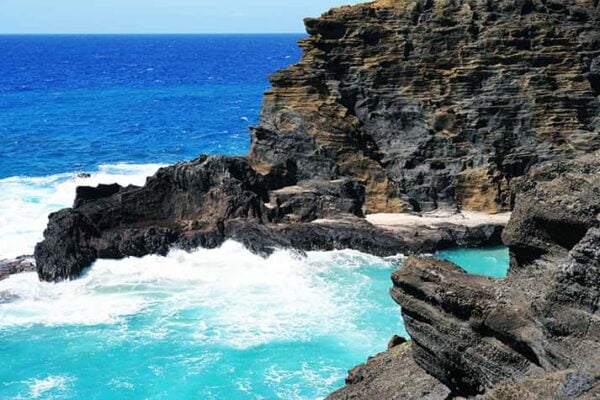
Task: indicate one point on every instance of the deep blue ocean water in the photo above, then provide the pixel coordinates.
(74, 102)
(210, 324)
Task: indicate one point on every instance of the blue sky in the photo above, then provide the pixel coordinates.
(159, 16)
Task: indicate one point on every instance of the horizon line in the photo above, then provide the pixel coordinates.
(145, 33)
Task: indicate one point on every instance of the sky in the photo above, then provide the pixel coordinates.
(159, 16)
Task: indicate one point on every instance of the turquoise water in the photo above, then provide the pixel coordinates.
(492, 262)
(212, 324)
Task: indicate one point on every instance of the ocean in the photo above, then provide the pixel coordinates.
(209, 324)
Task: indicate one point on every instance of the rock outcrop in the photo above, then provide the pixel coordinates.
(541, 325)
(437, 103)
(411, 106)
(16, 266)
(392, 375)
(212, 199)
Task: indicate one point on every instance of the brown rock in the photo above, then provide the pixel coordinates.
(535, 334)
(437, 103)
(396, 341)
(392, 375)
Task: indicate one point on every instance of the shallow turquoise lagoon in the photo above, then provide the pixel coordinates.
(491, 261)
(213, 324)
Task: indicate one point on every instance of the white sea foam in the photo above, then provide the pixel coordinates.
(75, 302)
(289, 383)
(40, 387)
(226, 296)
(26, 202)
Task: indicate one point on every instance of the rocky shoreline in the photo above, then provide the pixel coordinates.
(398, 111)
(210, 200)
(534, 335)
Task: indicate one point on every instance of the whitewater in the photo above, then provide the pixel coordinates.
(224, 316)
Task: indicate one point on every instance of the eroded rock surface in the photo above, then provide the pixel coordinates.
(212, 199)
(538, 331)
(437, 103)
(392, 375)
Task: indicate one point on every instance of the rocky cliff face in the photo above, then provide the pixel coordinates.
(437, 103)
(542, 323)
(396, 106)
(534, 335)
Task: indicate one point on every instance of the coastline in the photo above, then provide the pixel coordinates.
(330, 169)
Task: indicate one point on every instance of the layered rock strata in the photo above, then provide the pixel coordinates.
(535, 334)
(437, 103)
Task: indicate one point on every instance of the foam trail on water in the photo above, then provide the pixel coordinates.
(26, 202)
(39, 388)
(225, 320)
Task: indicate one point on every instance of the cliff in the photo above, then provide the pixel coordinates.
(540, 324)
(396, 106)
(437, 103)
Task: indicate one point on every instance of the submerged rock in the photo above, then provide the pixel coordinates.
(16, 266)
(7, 297)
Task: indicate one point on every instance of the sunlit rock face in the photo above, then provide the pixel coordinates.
(437, 104)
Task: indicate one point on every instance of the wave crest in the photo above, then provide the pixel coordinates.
(27, 201)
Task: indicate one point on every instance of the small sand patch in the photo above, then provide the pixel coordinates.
(433, 219)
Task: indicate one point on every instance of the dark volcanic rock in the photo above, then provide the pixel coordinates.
(212, 199)
(16, 266)
(410, 106)
(115, 222)
(560, 204)
(66, 249)
(437, 103)
(396, 105)
(313, 199)
(396, 341)
(392, 375)
(541, 324)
